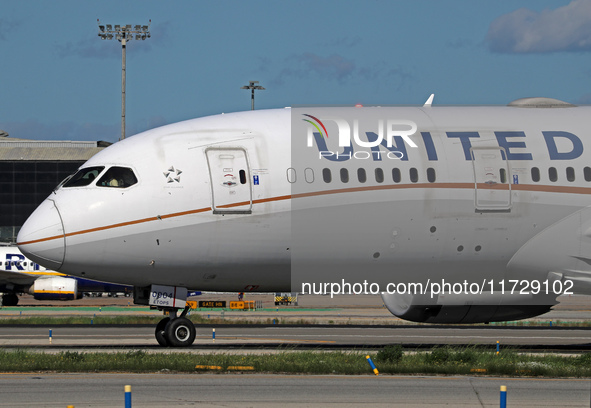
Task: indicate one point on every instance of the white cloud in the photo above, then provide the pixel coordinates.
(302, 65)
(336, 67)
(567, 28)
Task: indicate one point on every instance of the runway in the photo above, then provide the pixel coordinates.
(206, 390)
(260, 390)
(260, 336)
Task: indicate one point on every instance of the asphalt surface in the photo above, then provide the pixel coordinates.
(254, 390)
(293, 337)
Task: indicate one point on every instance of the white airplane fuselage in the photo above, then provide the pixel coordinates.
(466, 204)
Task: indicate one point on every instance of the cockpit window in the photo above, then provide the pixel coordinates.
(119, 177)
(64, 181)
(83, 177)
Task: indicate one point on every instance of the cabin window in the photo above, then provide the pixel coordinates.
(379, 175)
(84, 177)
(309, 175)
(587, 173)
(503, 175)
(570, 174)
(344, 175)
(396, 175)
(119, 177)
(553, 174)
(414, 175)
(535, 174)
(326, 175)
(361, 175)
(291, 175)
(431, 175)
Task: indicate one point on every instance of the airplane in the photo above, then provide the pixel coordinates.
(452, 214)
(21, 275)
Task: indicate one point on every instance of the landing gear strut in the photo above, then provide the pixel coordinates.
(173, 331)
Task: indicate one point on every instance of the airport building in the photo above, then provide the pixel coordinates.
(30, 170)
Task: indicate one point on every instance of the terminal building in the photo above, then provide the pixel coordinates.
(30, 170)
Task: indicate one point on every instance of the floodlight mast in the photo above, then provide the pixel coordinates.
(252, 87)
(123, 34)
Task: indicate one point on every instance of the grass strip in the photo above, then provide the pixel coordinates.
(61, 320)
(138, 319)
(537, 323)
(443, 360)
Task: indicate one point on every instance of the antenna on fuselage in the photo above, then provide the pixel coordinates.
(429, 101)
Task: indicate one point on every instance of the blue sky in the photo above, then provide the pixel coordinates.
(61, 81)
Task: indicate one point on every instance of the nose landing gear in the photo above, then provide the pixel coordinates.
(160, 329)
(173, 331)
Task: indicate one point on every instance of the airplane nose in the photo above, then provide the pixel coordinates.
(42, 238)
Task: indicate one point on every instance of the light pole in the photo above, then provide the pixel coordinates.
(252, 87)
(123, 34)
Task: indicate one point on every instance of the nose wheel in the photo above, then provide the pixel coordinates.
(180, 332)
(160, 328)
(175, 331)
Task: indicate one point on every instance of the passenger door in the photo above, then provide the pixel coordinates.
(231, 186)
(492, 187)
